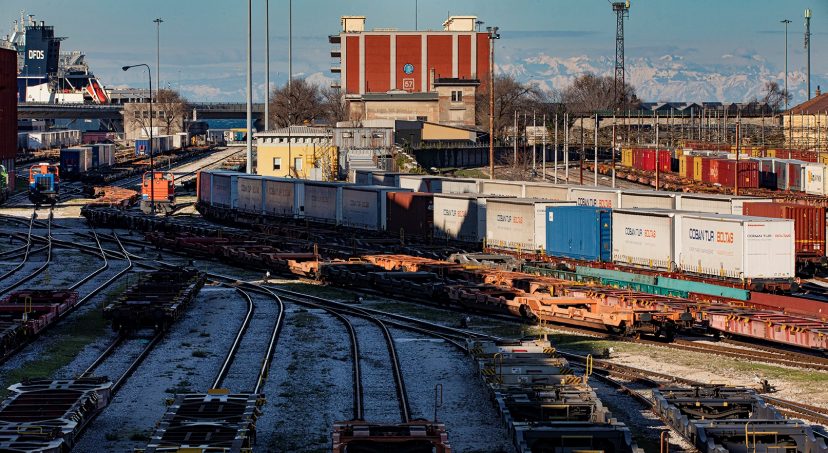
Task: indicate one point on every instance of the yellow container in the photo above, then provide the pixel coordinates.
(697, 168)
(771, 153)
(683, 166)
(626, 157)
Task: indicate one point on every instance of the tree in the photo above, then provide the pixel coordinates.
(301, 103)
(334, 107)
(775, 96)
(590, 92)
(170, 108)
(510, 95)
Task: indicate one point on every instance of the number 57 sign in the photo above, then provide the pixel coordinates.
(408, 84)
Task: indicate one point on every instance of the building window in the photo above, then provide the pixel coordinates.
(456, 96)
(277, 163)
(297, 164)
(422, 118)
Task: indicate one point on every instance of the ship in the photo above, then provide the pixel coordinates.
(47, 75)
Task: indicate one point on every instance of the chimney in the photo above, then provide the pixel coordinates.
(817, 91)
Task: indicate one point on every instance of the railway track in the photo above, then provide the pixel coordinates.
(39, 269)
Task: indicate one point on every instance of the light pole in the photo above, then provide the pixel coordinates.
(249, 87)
(808, 48)
(493, 34)
(157, 55)
(267, 66)
(151, 152)
(786, 22)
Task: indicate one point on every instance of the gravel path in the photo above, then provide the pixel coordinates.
(185, 360)
(310, 384)
(471, 419)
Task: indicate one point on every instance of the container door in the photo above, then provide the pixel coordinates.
(605, 235)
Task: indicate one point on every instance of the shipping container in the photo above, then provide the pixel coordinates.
(814, 179)
(284, 197)
(251, 194)
(461, 217)
(547, 191)
(644, 237)
(796, 171)
(705, 170)
(736, 246)
(698, 168)
(365, 207)
(809, 224)
(180, 140)
(203, 185)
(724, 172)
(323, 201)
(683, 167)
(595, 197)
(459, 186)
(410, 214)
(224, 188)
(579, 232)
(626, 157)
(518, 223)
(646, 159)
(648, 199)
(503, 188)
(714, 203)
(105, 153)
(422, 183)
(75, 161)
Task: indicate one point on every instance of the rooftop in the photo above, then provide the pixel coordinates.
(817, 104)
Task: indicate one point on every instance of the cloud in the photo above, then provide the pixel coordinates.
(203, 92)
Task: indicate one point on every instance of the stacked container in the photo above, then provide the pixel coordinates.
(809, 224)
(518, 223)
(652, 199)
(365, 207)
(644, 237)
(579, 232)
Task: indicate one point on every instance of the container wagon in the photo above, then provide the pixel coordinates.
(579, 232)
(644, 238)
(460, 217)
(365, 207)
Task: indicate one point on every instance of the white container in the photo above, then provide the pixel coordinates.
(459, 186)
(502, 188)
(284, 197)
(421, 183)
(518, 223)
(644, 237)
(595, 197)
(814, 179)
(365, 207)
(648, 199)
(251, 194)
(180, 140)
(460, 217)
(323, 201)
(558, 192)
(736, 246)
(714, 203)
(224, 188)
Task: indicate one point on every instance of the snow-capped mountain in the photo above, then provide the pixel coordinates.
(738, 78)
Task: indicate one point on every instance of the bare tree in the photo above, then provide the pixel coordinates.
(509, 95)
(171, 108)
(297, 105)
(334, 107)
(590, 92)
(776, 96)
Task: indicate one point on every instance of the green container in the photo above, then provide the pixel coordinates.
(703, 288)
(615, 275)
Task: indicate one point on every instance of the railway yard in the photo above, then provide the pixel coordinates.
(237, 327)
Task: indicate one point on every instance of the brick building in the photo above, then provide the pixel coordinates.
(429, 75)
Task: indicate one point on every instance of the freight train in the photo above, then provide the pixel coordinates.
(44, 183)
(76, 161)
(653, 231)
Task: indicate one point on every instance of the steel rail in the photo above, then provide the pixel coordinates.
(40, 269)
(28, 249)
(234, 348)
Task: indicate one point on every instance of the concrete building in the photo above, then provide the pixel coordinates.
(411, 75)
(136, 119)
(806, 125)
(297, 152)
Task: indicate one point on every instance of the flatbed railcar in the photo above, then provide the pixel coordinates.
(155, 301)
(25, 314)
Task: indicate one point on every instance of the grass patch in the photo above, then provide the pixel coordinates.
(470, 173)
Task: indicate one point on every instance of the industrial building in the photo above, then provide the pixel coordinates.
(806, 125)
(297, 152)
(8, 112)
(412, 75)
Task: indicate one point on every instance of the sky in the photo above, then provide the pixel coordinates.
(675, 50)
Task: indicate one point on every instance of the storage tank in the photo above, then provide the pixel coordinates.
(595, 197)
(365, 207)
(579, 232)
(251, 194)
(738, 247)
(461, 217)
(284, 197)
(518, 223)
(410, 213)
(644, 237)
(323, 201)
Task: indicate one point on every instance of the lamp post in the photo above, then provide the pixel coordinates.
(786, 22)
(157, 55)
(151, 152)
(493, 34)
(267, 67)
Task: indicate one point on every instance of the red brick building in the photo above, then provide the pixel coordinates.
(415, 69)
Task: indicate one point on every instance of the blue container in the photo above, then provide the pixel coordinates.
(580, 232)
(142, 146)
(70, 162)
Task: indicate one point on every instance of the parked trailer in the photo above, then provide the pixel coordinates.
(502, 188)
(460, 217)
(579, 232)
(815, 181)
(547, 191)
(518, 223)
(284, 197)
(738, 247)
(644, 237)
(809, 224)
(422, 183)
(365, 207)
(323, 201)
(649, 199)
(410, 214)
(715, 203)
(595, 197)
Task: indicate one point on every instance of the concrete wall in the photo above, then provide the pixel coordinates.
(317, 160)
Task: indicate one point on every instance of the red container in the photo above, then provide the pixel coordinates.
(706, 170)
(8, 107)
(809, 224)
(714, 167)
(723, 171)
(411, 213)
(664, 161)
(645, 159)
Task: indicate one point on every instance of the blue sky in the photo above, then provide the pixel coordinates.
(675, 50)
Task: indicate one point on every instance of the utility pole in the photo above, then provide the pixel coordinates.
(267, 67)
(786, 22)
(157, 55)
(515, 140)
(249, 86)
(290, 50)
(595, 157)
(583, 150)
(493, 34)
(543, 165)
(808, 48)
(566, 147)
(556, 149)
(655, 118)
(534, 142)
